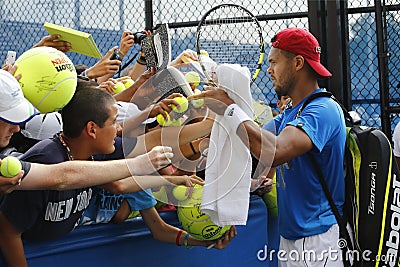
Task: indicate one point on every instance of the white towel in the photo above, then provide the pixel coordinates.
(228, 170)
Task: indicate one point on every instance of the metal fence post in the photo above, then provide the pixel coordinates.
(317, 26)
(382, 69)
(148, 6)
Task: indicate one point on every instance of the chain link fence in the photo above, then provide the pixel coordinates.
(180, 14)
(22, 27)
(393, 40)
(365, 86)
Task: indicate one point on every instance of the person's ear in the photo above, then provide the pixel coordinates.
(91, 129)
(299, 61)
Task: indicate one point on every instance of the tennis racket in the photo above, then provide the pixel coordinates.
(231, 34)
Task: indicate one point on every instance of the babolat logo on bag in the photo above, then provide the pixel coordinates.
(372, 205)
(376, 196)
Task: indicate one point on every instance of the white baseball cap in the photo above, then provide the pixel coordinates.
(43, 126)
(14, 108)
(126, 110)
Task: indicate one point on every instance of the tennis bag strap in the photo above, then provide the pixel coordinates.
(347, 117)
(341, 220)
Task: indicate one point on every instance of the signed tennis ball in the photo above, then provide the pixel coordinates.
(179, 192)
(194, 221)
(183, 104)
(10, 166)
(119, 87)
(198, 103)
(161, 120)
(128, 83)
(48, 78)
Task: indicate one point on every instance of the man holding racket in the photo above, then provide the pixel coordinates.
(307, 224)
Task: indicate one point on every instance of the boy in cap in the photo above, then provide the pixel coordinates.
(306, 221)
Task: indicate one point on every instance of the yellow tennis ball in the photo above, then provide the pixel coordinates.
(10, 166)
(198, 103)
(204, 53)
(134, 214)
(162, 121)
(48, 78)
(183, 104)
(176, 122)
(193, 77)
(195, 222)
(119, 87)
(128, 83)
(270, 199)
(179, 192)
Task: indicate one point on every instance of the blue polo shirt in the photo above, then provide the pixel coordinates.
(303, 207)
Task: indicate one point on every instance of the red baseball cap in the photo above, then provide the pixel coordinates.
(301, 42)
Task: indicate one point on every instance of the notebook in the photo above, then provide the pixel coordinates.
(157, 48)
(81, 42)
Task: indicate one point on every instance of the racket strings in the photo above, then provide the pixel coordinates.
(231, 36)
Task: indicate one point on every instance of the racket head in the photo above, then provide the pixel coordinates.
(230, 34)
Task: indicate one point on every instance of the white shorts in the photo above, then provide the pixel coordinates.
(317, 250)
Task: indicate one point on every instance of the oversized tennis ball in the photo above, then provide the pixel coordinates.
(48, 78)
(183, 104)
(193, 77)
(119, 87)
(198, 103)
(128, 83)
(10, 166)
(197, 223)
(161, 120)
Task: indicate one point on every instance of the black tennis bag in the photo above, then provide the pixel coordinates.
(372, 205)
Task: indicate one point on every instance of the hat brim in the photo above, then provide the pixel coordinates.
(21, 113)
(318, 68)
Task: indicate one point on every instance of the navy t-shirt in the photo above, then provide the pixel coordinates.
(45, 214)
(49, 214)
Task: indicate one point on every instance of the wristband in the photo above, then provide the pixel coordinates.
(185, 241)
(178, 237)
(234, 115)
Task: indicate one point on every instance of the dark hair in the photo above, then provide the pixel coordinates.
(84, 82)
(87, 104)
(21, 143)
